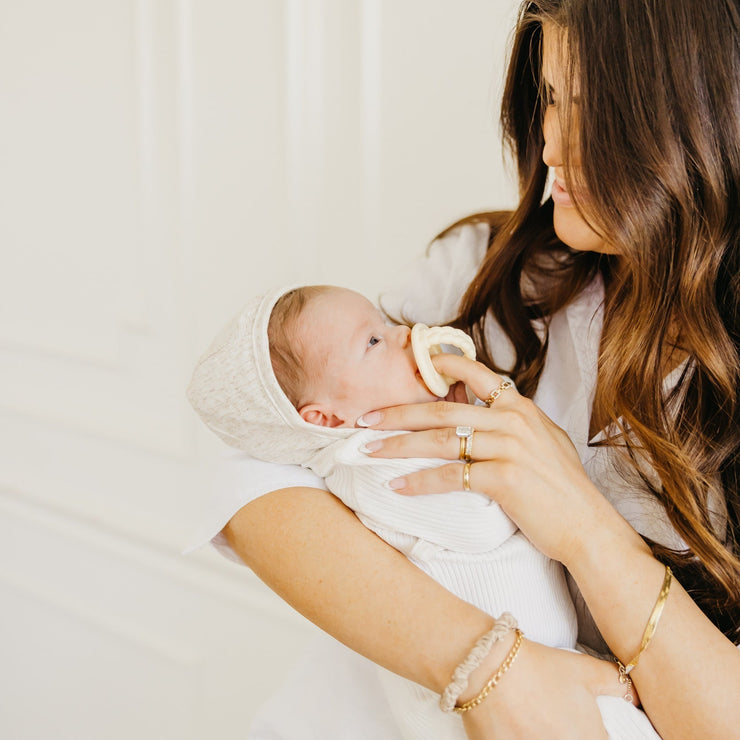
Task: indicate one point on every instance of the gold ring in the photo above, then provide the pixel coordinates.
(465, 434)
(466, 476)
(469, 447)
(496, 392)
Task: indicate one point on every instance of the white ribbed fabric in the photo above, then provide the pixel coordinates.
(463, 540)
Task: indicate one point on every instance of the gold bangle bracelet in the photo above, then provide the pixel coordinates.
(486, 690)
(652, 624)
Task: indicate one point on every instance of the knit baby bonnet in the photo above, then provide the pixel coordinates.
(235, 392)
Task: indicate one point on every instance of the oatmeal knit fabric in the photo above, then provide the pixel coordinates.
(235, 392)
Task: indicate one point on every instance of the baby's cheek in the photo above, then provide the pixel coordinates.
(349, 386)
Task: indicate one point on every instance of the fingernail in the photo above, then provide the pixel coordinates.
(373, 445)
(397, 484)
(368, 420)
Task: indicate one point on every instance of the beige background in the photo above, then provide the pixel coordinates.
(160, 160)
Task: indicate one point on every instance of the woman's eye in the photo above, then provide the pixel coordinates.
(373, 341)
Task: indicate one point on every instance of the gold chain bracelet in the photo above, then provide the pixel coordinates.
(486, 690)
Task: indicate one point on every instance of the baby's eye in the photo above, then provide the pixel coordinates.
(373, 341)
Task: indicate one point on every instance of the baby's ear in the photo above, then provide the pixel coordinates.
(315, 413)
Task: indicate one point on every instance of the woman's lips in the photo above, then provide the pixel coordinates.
(560, 194)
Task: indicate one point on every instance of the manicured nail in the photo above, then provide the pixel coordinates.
(373, 445)
(397, 484)
(368, 420)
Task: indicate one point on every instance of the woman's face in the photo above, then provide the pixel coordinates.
(570, 226)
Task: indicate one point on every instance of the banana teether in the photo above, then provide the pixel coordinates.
(426, 342)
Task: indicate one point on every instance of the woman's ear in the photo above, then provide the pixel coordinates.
(318, 414)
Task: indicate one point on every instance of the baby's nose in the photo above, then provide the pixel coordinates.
(404, 336)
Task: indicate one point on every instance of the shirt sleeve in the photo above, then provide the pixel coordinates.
(429, 289)
(232, 482)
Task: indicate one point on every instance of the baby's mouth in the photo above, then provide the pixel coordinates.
(426, 387)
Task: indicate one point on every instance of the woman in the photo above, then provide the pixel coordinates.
(633, 107)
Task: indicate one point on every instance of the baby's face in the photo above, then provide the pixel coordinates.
(356, 362)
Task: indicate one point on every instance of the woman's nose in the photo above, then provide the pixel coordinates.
(552, 154)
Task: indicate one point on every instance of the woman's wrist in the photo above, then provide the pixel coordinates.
(449, 700)
(490, 665)
(492, 682)
(612, 537)
(617, 574)
(602, 531)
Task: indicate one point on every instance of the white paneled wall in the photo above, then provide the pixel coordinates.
(160, 160)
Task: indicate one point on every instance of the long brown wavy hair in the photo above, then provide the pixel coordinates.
(659, 133)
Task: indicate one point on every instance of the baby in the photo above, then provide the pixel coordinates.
(288, 379)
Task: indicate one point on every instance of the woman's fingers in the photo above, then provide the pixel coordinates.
(444, 442)
(457, 393)
(496, 433)
(452, 411)
(480, 478)
(475, 375)
(419, 416)
(435, 480)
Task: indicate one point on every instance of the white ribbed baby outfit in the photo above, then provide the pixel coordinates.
(462, 540)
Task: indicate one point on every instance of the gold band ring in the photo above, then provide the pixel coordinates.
(496, 392)
(466, 476)
(465, 434)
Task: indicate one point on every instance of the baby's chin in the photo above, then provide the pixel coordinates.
(424, 397)
(420, 394)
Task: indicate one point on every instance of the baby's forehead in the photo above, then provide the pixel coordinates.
(340, 308)
(332, 319)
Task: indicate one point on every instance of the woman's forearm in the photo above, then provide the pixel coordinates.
(314, 553)
(689, 677)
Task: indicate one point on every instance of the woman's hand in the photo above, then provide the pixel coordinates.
(546, 693)
(521, 459)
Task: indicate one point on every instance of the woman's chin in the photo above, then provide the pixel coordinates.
(572, 230)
